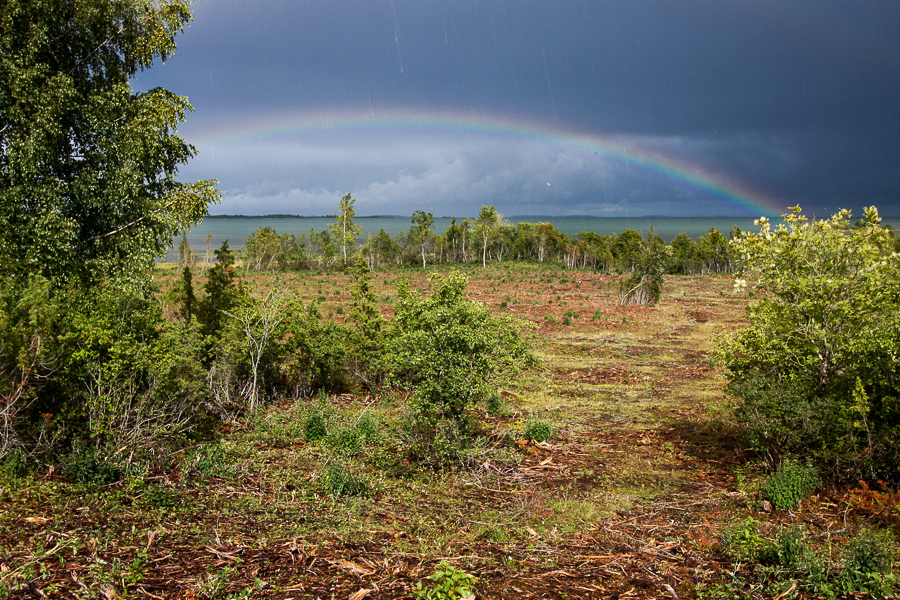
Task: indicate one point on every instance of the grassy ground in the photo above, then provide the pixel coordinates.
(641, 492)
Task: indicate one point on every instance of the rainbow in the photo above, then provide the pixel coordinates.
(726, 194)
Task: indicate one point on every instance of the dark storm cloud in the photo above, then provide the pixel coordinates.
(798, 98)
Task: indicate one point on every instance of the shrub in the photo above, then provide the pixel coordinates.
(87, 463)
(868, 561)
(344, 439)
(339, 480)
(308, 352)
(448, 583)
(790, 484)
(449, 349)
(494, 404)
(367, 425)
(316, 427)
(538, 430)
(823, 342)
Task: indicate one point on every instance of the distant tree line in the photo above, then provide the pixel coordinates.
(486, 238)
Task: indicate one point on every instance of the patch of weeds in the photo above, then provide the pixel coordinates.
(538, 430)
(868, 562)
(550, 319)
(344, 439)
(89, 464)
(743, 541)
(503, 305)
(214, 584)
(447, 583)
(494, 404)
(278, 430)
(159, 497)
(315, 428)
(598, 314)
(14, 465)
(367, 425)
(791, 483)
(208, 462)
(339, 480)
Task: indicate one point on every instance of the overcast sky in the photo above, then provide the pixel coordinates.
(595, 107)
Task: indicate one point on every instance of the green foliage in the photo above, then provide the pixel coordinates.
(88, 166)
(183, 296)
(648, 265)
(344, 439)
(207, 462)
(868, 564)
(743, 541)
(367, 338)
(433, 440)
(448, 349)
(222, 293)
(487, 228)
(447, 583)
(14, 464)
(421, 233)
(90, 464)
(538, 430)
(494, 404)
(367, 425)
(316, 426)
(344, 229)
(791, 483)
(817, 372)
(308, 352)
(338, 479)
(265, 250)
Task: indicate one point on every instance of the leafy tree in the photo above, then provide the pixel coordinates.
(817, 372)
(222, 293)
(185, 299)
(87, 166)
(486, 227)
(262, 250)
(714, 251)
(594, 250)
(457, 238)
(344, 229)
(644, 286)
(683, 252)
(422, 231)
(628, 250)
(367, 339)
(186, 257)
(548, 239)
(255, 323)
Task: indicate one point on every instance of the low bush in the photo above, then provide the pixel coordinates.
(447, 583)
(868, 564)
(344, 439)
(538, 430)
(316, 426)
(791, 483)
(339, 480)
